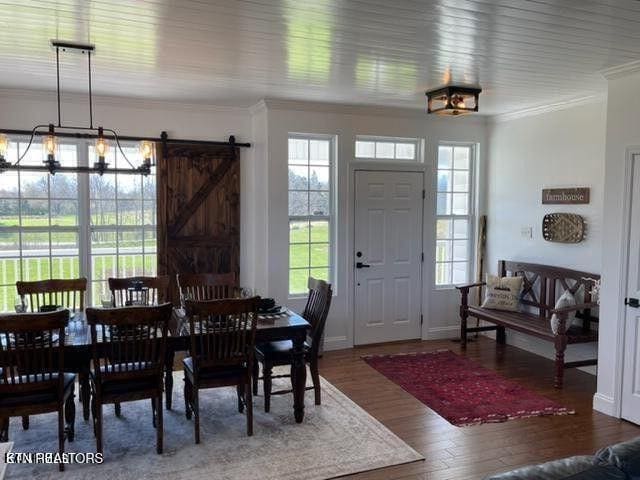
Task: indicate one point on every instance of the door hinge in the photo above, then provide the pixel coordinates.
(421, 319)
(424, 194)
(422, 257)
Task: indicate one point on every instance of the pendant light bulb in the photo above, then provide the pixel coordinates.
(50, 144)
(102, 145)
(146, 151)
(4, 145)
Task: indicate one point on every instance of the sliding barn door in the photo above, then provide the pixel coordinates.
(198, 210)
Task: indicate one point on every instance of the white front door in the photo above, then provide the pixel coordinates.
(631, 376)
(388, 255)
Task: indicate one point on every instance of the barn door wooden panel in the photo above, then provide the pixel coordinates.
(198, 210)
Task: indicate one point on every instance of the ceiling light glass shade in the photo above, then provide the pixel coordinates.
(147, 150)
(453, 100)
(50, 145)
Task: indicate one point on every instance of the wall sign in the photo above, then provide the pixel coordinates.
(566, 196)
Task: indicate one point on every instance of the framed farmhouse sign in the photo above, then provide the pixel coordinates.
(565, 196)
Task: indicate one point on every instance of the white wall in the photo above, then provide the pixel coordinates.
(440, 307)
(562, 148)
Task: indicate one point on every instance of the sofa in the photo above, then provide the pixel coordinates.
(617, 462)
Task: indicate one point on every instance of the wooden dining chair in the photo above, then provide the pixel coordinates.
(274, 354)
(208, 286)
(67, 293)
(128, 349)
(155, 290)
(33, 378)
(221, 352)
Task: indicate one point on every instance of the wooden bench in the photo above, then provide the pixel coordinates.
(542, 285)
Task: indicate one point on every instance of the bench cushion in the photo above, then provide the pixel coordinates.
(625, 456)
(531, 324)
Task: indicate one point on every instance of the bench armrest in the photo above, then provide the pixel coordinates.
(470, 285)
(573, 308)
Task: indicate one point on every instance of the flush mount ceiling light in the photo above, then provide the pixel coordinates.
(453, 100)
(51, 133)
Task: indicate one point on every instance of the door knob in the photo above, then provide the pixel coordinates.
(362, 265)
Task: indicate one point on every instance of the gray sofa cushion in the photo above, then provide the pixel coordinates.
(573, 468)
(625, 456)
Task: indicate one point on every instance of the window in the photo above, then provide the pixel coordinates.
(454, 209)
(403, 149)
(310, 210)
(70, 225)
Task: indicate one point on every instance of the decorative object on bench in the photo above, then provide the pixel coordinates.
(542, 285)
(566, 300)
(460, 390)
(563, 228)
(618, 462)
(503, 293)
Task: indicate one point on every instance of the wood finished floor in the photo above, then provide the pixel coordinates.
(471, 452)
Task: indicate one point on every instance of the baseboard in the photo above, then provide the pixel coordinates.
(336, 343)
(440, 333)
(605, 404)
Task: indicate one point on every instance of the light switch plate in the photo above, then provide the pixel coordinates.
(526, 232)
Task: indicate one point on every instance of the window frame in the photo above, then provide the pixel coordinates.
(84, 227)
(385, 139)
(471, 215)
(331, 218)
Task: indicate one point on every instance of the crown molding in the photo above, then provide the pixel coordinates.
(114, 101)
(551, 107)
(621, 70)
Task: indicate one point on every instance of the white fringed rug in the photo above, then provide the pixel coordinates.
(337, 438)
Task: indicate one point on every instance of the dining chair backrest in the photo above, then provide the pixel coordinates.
(67, 293)
(128, 341)
(123, 290)
(32, 352)
(208, 286)
(317, 309)
(222, 331)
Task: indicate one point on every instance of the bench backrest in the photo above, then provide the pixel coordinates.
(543, 284)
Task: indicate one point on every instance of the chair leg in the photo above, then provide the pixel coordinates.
(255, 375)
(160, 427)
(315, 376)
(187, 399)
(153, 413)
(117, 409)
(240, 390)
(4, 429)
(25, 422)
(196, 412)
(561, 345)
(266, 375)
(61, 436)
(70, 416)
(98, 426)
(249, 402)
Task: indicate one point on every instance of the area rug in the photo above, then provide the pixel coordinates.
(337, 438)
(460, 390)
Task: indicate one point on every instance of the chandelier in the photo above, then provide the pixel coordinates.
(453, 100)
(103, 136)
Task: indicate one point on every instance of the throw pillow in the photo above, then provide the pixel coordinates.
(503, 293)
(566, 300)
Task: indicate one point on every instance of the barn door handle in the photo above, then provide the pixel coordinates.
(362, 265)
(632, 302)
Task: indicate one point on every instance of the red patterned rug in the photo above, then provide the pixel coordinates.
(462, 391)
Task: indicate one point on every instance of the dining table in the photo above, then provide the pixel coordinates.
(285, 325)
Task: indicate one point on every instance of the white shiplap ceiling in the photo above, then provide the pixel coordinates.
(523, 53)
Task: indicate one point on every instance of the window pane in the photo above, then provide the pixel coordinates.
(460, 203)
(9, 185)
(9, 271)
(130, 264)
(35, 243)
(365, 149)
(298, 281)
(298, 150)
(65, 267)
(298, 204)
(103, 242)
(64, 185)
(385, 150)
(320, 231)
(34, 185)
(150, 214)
(319, 203)
(444, 180)
(64, 243)
(459, 273)
(98, 290)
(151, 265)
(461, 158)
(443, 229)
(35, 213)
(299, 231)
(9, 246)
(444, 204)
(443, 251)
(443, 273)
(9, 210)
(320, 255)
(298, 178)
(104, 266)
(299, 255)
(150, 241)
(320, 274)
(129, 186)
(130, 241)
(319, 152)
(460, 250)
(460, 181)
(319, 178)
(405, 151)
(444, 157)
(102, 187)
(103, 212)
(35, 268)
(7, 297)
(64, 213)
(130, 212)
(461, 229)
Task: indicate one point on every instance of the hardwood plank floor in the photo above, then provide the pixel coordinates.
(472, 452)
